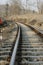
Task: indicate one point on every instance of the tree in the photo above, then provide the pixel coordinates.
(40, 6)
(16, 6)
(7, 5)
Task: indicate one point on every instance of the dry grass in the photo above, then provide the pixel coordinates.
(33, 19)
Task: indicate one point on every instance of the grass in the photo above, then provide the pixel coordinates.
(30, 18)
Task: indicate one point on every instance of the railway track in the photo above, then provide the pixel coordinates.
(30, 48)
(21, 46)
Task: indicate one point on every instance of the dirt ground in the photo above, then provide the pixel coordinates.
(31, 18)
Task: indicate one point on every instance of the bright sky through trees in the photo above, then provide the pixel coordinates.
(32, 3)
(3, 1)
(23, 3)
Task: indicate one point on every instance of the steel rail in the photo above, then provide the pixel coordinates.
(35, 29)
(12, 62)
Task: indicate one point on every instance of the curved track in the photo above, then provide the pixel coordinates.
(20, 45)
(30, 49)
